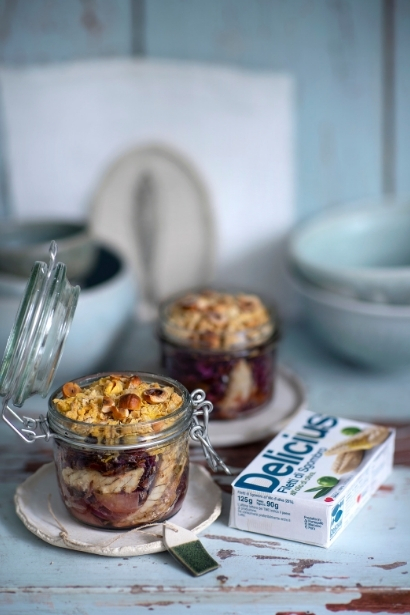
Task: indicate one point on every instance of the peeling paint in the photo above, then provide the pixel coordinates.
(332, 578)
(388, 488)
(149, 605)
(390, 566)
(269, 557)
(222, 578)
(225, 553)
(299, 567)
(260, 544)
(376, 602)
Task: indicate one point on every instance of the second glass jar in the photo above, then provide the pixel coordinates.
(224, 343)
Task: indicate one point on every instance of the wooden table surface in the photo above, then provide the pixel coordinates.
(365, 571)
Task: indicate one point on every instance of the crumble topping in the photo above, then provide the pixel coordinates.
(117, 399)
(218, 320)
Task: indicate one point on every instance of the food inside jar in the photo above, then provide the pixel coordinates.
(115, 488)
(236, 385)
(224, 344)
(123, 489)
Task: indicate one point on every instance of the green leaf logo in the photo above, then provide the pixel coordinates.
(350, 431)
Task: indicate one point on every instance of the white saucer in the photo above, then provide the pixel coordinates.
(289, 398)
(202, 506)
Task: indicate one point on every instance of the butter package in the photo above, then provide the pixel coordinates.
(312, 478)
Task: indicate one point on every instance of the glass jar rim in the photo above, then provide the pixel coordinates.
(235, 351)
(180, 418)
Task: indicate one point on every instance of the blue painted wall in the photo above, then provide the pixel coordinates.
(33, 31)
(350, 134)
(402, 96)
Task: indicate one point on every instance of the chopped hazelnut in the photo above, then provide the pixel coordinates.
(117, 377)
(157, 426)
(156, 395)
(249, 302)
(129, 401)
(193, 302)
(107, 405)
(133, 382)
(119, 414)
(70, 389)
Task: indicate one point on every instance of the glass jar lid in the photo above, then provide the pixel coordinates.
(41, 326)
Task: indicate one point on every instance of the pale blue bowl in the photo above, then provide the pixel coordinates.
(369, 334)
(361, 250)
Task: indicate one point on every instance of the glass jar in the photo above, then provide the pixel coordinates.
(125, 475)
(118, 475)
(234, 366)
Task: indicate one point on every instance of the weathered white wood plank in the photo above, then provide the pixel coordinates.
(368, 562)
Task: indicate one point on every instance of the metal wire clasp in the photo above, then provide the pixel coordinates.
(26, 426)
(199, 430)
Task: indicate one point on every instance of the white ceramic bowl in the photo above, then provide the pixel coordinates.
(106, 304)
(364, 333)
(361, 250)
(26, 241)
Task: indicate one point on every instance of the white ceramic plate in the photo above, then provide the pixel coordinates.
(202, 506)
(288, 399)
(153, 205)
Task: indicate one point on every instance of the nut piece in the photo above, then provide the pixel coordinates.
(156, 395)
(347, 462)
(107, 405)
(249, 302)
(116, 377)
(133, 382)
(119, 414)
(157, 426)
(129, 401)
(70, 389)
(193, 302)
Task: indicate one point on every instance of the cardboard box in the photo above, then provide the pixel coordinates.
(312, 478)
